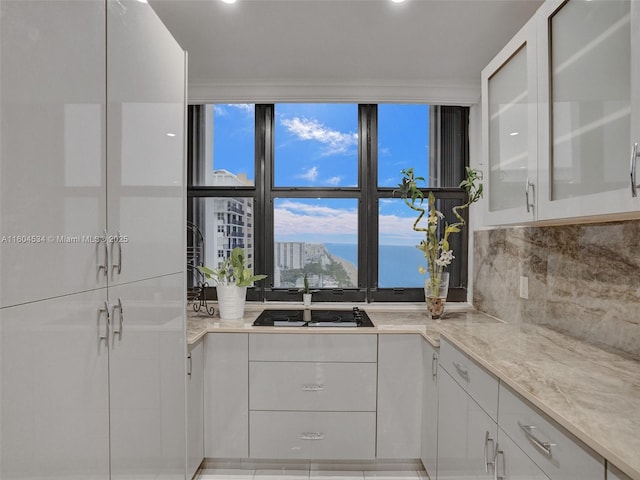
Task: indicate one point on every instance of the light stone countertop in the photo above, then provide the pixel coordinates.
(386, 318)
(592, 392)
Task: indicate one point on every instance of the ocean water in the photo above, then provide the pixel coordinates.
(397, 265)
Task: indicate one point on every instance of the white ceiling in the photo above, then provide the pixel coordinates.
(265, 50)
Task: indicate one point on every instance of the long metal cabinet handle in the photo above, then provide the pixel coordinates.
(105, 261)
(312, 436)
(120, 317)
(461, 371)
(117, 266)
(104, 310)
(434, 366)
(529, 185)
(544, 447)
(488, 439)
(634, 156)
(495, 464)
(190, 367)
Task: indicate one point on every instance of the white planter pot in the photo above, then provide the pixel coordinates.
(231, 300)
(306, 299)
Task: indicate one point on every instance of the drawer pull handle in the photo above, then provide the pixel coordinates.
(487, 463)
(312, 436)
(544, 447)
(461, 371)
(312, 388)
(434, 366)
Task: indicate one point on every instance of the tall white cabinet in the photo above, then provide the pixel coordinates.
(92, 330)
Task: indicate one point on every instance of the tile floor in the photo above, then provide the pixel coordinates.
(282, 474)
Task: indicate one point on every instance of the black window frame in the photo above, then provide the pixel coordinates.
(450, 125)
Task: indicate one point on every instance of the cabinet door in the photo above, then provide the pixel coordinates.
(226, 395)
(147, 379)
(585, 108)
(509, 109)
(466, 434)
(145, 144)
(512, 463)
(52, 170)
(54, 420)
(429, 449)
(195, 408)
(399, 394)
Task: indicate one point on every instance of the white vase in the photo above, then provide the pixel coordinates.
(231, 300)
(306, 299)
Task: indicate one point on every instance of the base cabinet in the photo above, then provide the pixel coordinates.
(399, 393)
(226, 395)
(429, 441)
(466, 434)
(512, 463)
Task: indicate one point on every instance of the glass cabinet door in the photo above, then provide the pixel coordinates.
(509, 95)
(586, 108)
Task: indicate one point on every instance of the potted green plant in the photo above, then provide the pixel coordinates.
(307, 293)
(231, 280)
(435, 245)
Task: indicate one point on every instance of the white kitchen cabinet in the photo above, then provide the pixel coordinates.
(147, 379)
(558, 454)
(312, 386)
(57, 142)
(145, 144)
(509, 130)
(400, 377)
(512, 463)
(429, 441)
(589, 107)
(54, 417)
(195, 407)
(52, 170)
(313, 396)
(466, 434)
(226, 395)
(313, 435)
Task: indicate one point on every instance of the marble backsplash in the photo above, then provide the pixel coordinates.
(583, 279)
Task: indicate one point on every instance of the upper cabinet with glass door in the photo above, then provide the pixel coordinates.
(589, 107)
(509, 96)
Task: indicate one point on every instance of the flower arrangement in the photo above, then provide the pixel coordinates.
(436, 246)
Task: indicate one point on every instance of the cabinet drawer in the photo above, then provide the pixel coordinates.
(312, 435)
(313, 347)
(312, 386)
(480, 384)
(554, 451)
(512, 463)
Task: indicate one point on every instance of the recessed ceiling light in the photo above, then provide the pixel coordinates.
(397, 1)
(513, 134)
(171, 134)
(229, 1)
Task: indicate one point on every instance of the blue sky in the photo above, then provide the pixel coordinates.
(316, 145)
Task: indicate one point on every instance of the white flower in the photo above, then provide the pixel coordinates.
(445, 258)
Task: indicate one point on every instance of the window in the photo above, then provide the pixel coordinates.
(314, 184)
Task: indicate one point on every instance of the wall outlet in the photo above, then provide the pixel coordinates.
(524, 287)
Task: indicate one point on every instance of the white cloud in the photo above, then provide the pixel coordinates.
(310, 129)
(245, 107)
(296, 218)
(310, 175)
(222, 110)
(334, 180)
